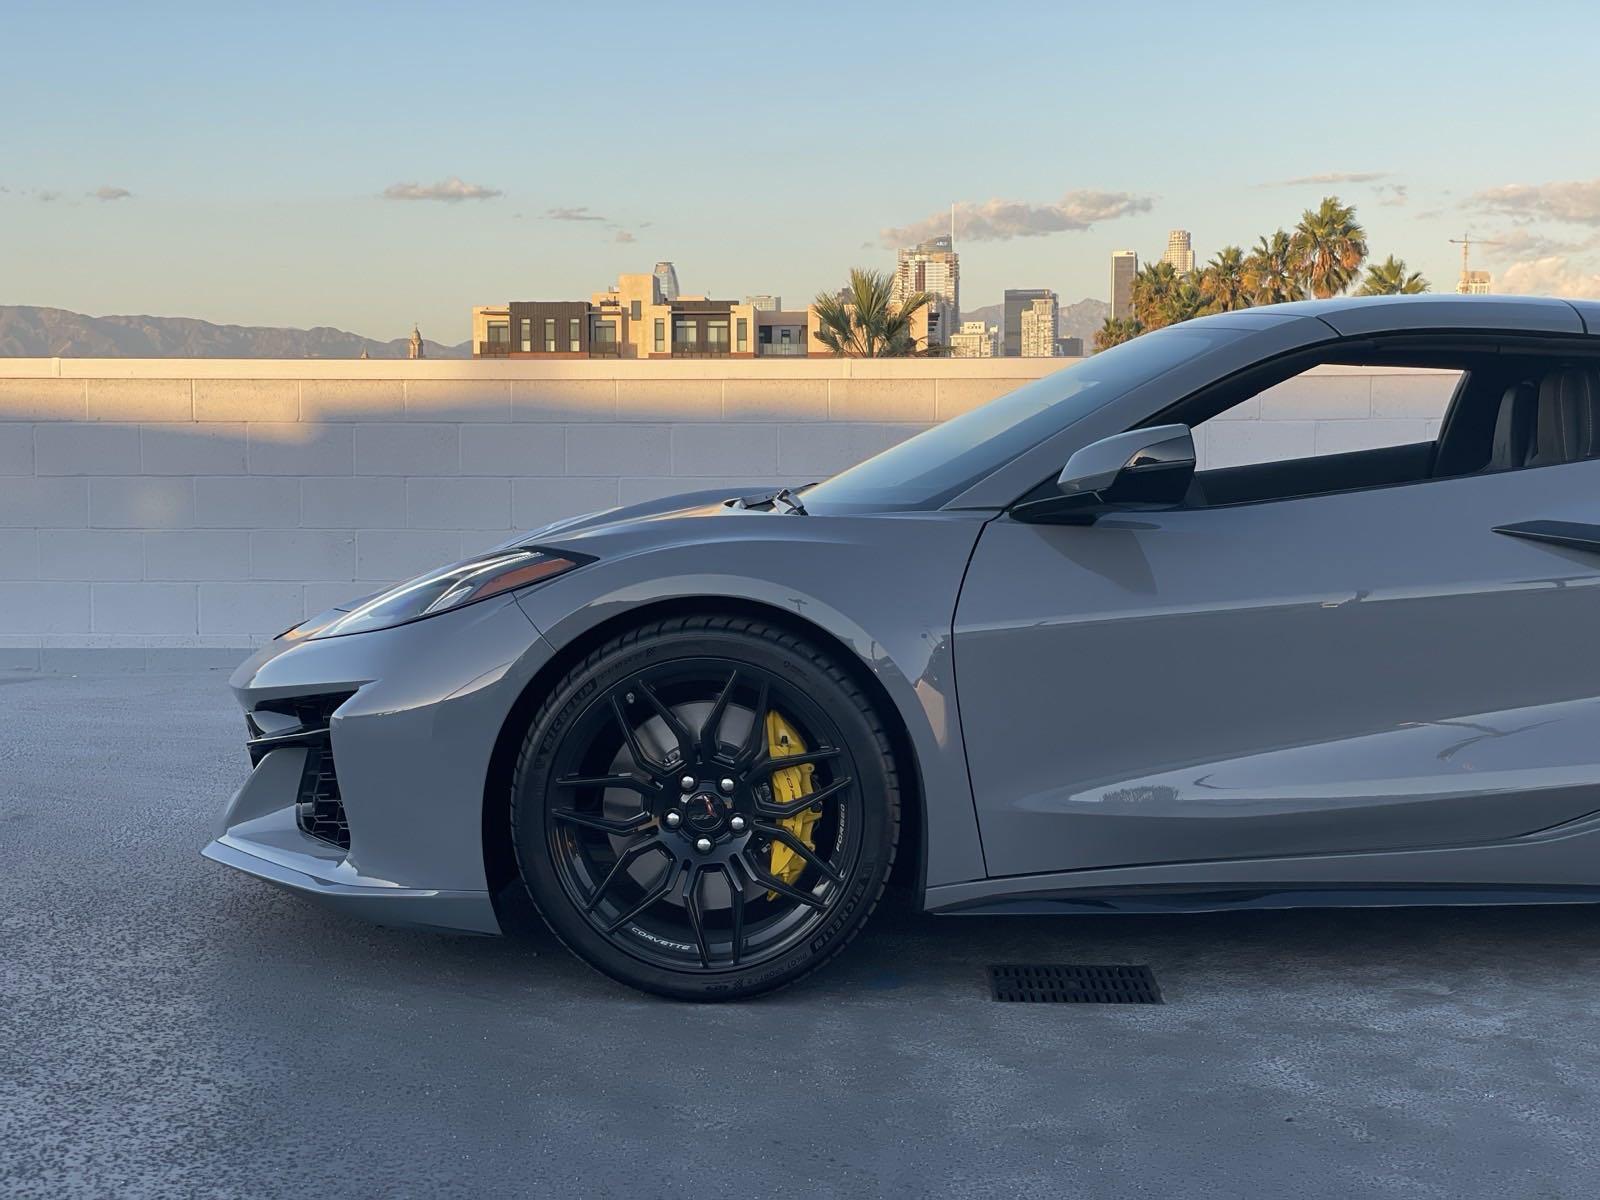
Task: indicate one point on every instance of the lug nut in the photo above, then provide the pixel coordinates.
(736, 824)
(703, 845)
(674, 819)
(727, 786)
(688, 783)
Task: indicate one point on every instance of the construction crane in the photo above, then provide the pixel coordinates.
(1466, 241)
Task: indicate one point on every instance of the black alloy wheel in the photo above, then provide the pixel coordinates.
(706, 808)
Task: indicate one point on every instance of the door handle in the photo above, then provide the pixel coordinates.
(1576, 535)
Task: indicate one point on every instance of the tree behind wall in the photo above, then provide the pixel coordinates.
(863, 321)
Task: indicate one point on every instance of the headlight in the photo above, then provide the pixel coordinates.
(441, 590)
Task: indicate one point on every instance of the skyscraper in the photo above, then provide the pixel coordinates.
(1017, 301)
(667, 276)
(765, 303)
(934, 267)
(1124, 266)
(1474, 283)
(1037, 337)
(1180, 252)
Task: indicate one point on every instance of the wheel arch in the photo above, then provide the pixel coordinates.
(500, 868)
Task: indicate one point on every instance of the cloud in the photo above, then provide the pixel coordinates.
(110, 193)
(1552, 275)
(1520, 242)
(1329, 177)
(1394, 195)
(1574, 201)
(581, 213)
(46, 197)
(450, 191)
(624, 237)
(1002, 220)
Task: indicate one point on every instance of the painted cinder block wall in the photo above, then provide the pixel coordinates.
(150, 506)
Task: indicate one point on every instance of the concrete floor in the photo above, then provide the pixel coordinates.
(169, 1028)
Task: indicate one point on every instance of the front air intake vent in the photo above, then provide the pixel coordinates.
(319, 808)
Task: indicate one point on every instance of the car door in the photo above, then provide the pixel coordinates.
(1371, 670)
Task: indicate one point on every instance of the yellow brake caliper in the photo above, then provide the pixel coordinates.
(788, 787)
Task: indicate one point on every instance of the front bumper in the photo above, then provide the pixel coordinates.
(412, 742)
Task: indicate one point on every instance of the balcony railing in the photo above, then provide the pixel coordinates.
(781, 349)
(605, 349)
(493, 349)
(699, 350)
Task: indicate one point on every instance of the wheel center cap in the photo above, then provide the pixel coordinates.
(704, 811)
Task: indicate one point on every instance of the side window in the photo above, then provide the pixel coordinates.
(1326, 410)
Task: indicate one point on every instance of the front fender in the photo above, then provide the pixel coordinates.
(884, 587)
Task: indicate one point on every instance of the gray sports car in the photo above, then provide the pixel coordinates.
(1032, 658)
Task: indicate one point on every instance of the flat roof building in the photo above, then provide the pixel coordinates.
(1124, 269)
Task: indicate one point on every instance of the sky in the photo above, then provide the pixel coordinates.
(368, 166)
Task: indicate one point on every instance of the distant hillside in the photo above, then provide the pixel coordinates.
(1072, 320)
(29, 332)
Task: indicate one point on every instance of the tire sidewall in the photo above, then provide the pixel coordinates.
(790, 661)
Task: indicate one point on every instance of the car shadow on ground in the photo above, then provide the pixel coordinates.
(1198, 958)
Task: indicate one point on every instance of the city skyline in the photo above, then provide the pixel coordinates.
(367, 167)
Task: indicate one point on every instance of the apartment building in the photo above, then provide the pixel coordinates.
(633, 319)
(976, 340)
(1037, 337)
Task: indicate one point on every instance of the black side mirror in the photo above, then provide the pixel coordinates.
(1143, 468)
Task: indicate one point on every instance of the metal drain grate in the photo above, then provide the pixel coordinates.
(1112, 984)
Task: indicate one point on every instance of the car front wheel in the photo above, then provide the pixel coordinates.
(706, 808)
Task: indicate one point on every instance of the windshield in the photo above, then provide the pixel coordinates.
(941, 462)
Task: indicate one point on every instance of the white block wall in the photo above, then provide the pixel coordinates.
(204, 505)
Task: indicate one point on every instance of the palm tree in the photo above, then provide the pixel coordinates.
(1329, 247)
(1185, 302)
(1269, 272)
(863, 321)
(1152, 291)
(1115, 331)
(1389, 278)
(1223, 281)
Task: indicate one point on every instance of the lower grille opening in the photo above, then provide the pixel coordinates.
(320, 811)
(1074, 984)
(319, 808)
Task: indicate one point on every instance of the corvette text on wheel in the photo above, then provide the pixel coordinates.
(1041, 658)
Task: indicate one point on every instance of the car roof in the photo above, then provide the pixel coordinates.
(1353, 316)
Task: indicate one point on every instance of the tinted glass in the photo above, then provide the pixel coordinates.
(937, 464)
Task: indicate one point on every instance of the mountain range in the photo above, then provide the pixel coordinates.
(30, 332)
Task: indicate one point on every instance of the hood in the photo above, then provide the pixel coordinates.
(707, 502)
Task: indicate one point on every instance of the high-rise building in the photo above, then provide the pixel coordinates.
(1069, 347)
(1124, 267)
(976, 340)
(1180, 252)
(764, 303)
(667, 276)
(1038, 333)
(1473, 283)
(933, 267)
(1016, 301)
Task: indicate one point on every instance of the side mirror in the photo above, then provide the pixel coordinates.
(1141, 468)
